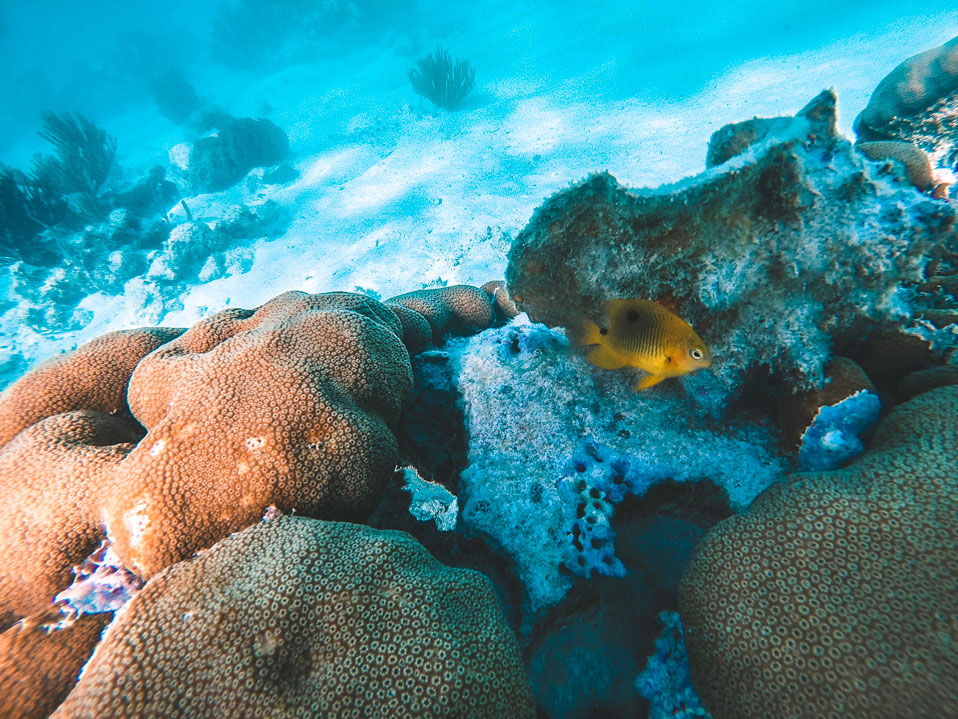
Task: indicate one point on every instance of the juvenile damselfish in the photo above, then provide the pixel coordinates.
(644, 334)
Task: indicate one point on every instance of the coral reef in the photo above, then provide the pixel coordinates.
(442, 81)
(295, 616)
(100, 584)
(797, 410)
(916, 102)
(528, 402)
(54, 476)
(584, 654)
(333, 373)
(453, 310)
(772, 257)
(219, 161)
(834, 594)
(84, 158)
(924, 380)
(913, 159)
(732, 140)
(288, 405)
(40, 658)
(93, 376)
(834, 436)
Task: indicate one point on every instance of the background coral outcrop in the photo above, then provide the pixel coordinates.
(917, 102)
(293, 617)
(772, 257)
(834, 594)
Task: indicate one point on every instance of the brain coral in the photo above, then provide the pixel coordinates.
(293, 618)
(93, 376)
(836, 594)
(770, 257)
(288, 405)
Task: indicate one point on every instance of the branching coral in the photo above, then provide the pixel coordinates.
(295, 617)
(441, 81)
(84, 158)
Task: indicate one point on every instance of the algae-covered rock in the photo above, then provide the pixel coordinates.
(771, 257)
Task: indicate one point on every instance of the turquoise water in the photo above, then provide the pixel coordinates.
(580, 548)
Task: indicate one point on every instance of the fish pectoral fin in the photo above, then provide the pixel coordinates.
(604, 358)
(649, 380)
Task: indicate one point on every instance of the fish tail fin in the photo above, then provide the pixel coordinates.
(587, 333)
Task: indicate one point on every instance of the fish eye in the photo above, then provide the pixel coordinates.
(696, 353)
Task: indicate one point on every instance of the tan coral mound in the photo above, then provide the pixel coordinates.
(457, 309)
(93, 376)
(915, 160)
(293, 618)
(53, 476)
(289, 405)
(40, 661)
(834, 595)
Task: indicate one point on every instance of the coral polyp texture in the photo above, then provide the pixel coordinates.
(53, 479)
(94, 376)
(452, 310)
(295, 617)
(834, 594)
(287, 405)
(772, 256)
(40, 658)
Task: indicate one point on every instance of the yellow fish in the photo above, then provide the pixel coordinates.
(644, 334)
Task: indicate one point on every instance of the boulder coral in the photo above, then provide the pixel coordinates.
(917, 102)
(40, 658)
(288, 405)
(834, 594)
(295, 617)
(54, 477)
(94, 376)
(456, 309)
(773, 256)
